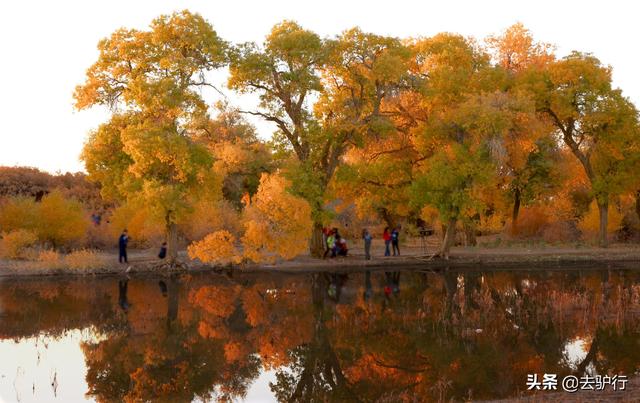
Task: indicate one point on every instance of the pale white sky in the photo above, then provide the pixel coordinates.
(47, 46)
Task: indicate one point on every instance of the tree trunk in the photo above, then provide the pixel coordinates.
(638, 203)
(470, 234)
(172, 303)
(448, 239)
(603, 208)
(172, 239)
(516, 212)
(386, 217)
(316, 243)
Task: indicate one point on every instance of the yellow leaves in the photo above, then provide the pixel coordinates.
(209, 216)
(516, 50)
(14, 243)
(278, 223)
(146, 152)
(62, 221)
(19, 212)
(55, 219)
(217, 247)
(590, 223)
(143, 226)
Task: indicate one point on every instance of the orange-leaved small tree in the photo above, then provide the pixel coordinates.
(277, 222)
(217, 247)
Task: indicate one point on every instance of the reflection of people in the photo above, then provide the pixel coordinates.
(163, 251)
(123, 301)
(163, 288)
(336, 283)
(392, 283)
(122, 246)
(367, 285)
(366, 236)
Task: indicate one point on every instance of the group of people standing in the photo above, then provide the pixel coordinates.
(336, 245)
(391, 238)
(123, 241)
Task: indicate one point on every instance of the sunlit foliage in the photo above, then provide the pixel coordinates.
(14, 243)
(277, 223)
(150, 79)
(55, 220)
(217, 248)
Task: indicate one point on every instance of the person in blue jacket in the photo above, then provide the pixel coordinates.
(395, 240)
(122, 246)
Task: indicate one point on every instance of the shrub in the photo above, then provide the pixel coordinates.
(558, 232)
(57, 220)
(217, 247)
(19, 213)
(49, 258)
(83, 259)
(62, 222)
(531, 222)
(278, 223)
(14, 243)
(211, 216)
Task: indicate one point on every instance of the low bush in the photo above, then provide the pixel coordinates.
(14, 244)
(217, 247)
(49, 258)
(84, 259)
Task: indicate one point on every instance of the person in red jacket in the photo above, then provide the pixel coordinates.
(386, 235)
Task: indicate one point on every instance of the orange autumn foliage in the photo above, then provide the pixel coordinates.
(14, 243)
(217, 248)
(277, 222)
(590, 223)
(143, 226)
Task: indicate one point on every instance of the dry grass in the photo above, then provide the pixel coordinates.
(50, 259)
(84, 259)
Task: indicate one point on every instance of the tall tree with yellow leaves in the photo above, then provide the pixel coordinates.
(594, 121)
(461, 132)
(150, 80)
(347, 77)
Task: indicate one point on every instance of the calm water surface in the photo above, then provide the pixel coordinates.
(394, 336)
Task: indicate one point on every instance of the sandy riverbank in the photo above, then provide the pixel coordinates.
(626, 256)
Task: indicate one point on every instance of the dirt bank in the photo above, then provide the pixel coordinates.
(508, 258)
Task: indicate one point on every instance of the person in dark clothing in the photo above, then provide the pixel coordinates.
(341, 247)
(163, 251)
(366, 236)
(336, 244)
(122, 247)
(395, 240)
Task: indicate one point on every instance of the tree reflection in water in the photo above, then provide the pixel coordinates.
(335, 337)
